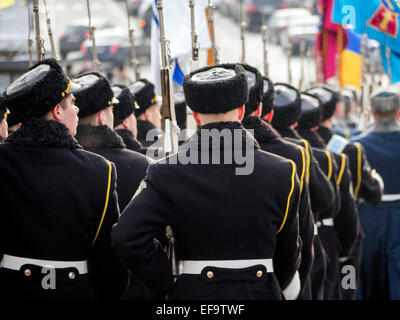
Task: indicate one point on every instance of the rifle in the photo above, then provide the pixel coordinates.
(365, 110)
(30, 41)
(389, 69)
(53, 48)
(194, 61)
(302, 58)
(171, 251)
(265, 50)
(132, 42)
(215, 57)
(171, 131)
(243, 27)
(40, 53)
(92, 29)
(289, 62)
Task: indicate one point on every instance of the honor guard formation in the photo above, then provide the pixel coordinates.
(234, 186)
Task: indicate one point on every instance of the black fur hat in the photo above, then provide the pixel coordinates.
(126, 105)
(329, 99)
(311, 111)
(94, 95)
(38, 91)
(180, 109)
(268, 97)
(11, 120)
(256, 87)
(216, 89)
(287, 106)
(144, 93)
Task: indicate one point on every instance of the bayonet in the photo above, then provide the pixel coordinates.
(132, 43)
(92, 29)
(194, 61)
(53, 48)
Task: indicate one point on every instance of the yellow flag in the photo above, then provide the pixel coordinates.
(6, 4)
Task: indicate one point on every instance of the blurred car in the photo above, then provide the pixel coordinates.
(78, 32)
(300, 31)
(72, 39)
(283, 18)
(254, 10)
(225, 7)
(112, 45)
(133, 6)
(145, 15)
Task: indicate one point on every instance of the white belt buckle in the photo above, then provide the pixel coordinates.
(196, 267)
(328, 222)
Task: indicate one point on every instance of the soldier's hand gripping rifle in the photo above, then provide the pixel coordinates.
(215, 53)
(40, 53)
(171, 251)
(132, 43)
(53, 48)
(194, 61)
(92, 29)
(243, 27)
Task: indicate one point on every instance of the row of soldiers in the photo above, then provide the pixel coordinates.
(81, 196)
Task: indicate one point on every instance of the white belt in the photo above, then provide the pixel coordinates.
(315, 229)
(15, 263)
(328, 222)
(195, 267)
(390, 197)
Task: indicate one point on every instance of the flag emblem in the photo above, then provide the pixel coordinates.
(385, 19)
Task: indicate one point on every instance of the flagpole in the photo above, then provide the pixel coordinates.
(339, 55)
(389, 69)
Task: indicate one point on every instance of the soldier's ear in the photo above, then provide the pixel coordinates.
(258, 111)
(125, 124)
(56, 112)
(242, 110)
(268, 117)
(196, 118)
(398, 114)
(100, 118)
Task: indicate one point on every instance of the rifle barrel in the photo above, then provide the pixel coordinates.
(53, 48)
(132, 43)
(92, 37)
(37, 28)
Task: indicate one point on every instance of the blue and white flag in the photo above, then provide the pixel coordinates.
(177, 26)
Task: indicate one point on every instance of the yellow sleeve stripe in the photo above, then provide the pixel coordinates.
(303, 170)
(343, 166)
(357, 190)
(106, 204)
(329, 165)
(308, 159)
(290, 195)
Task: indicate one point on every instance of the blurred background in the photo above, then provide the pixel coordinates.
(289, 22)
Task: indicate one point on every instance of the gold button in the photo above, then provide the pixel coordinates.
(210, 274)
(71, 275)
(27, 272)
(259, 274)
